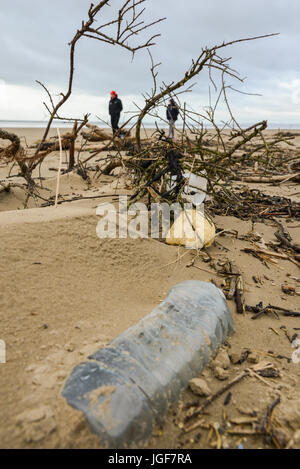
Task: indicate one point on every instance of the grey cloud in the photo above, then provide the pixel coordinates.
(34, 38)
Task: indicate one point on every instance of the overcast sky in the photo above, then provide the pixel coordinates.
(34, 36)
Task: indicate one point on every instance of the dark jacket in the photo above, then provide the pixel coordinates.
(172, 112)
(115, 106)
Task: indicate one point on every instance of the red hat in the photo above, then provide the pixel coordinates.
(113, 93)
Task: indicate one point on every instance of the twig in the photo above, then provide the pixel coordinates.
(59, 168)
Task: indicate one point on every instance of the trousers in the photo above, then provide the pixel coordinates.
(171, 129)
(115, 122)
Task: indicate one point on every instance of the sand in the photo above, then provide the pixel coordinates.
(64, 293)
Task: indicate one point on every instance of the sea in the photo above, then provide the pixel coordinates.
(17, 124)
(32, 124)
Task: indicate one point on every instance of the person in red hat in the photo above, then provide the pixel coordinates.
(115, 108)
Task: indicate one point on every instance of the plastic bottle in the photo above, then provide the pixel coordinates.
(127, 387)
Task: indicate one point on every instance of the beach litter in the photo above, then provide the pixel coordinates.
(150, 364)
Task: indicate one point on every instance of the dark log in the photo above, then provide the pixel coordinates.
(114, 163)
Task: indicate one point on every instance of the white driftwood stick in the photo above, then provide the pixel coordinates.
(59, 168)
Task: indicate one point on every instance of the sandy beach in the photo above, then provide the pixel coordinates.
(64, 293)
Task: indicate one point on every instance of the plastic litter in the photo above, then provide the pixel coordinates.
(194, 190)
(126, 388)
(191, 229)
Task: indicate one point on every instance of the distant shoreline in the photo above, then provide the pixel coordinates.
(16, 124)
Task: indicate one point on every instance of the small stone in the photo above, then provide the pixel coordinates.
(34, 415)
(282, 436)
(61, 375)
(199, 387)
(295, 441)
(69, 347)
(220, 373)
(290, 414)
(248, 411)
(253, 358)
(30, 368)
(235, 358)
(30, 416)
(225, 444)
(222, 360)
(39, 431)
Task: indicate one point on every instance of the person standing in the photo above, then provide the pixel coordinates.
(172, 115)
(115, 108)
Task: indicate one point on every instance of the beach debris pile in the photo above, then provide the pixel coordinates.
(252, 203)
(163, 169)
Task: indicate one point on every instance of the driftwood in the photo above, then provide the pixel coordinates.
(72, 148)
(271, 179)
(114, 163)
(255, 370)
(14, 151)
(151, 165)
(91, 137)
(212, 398)
(236, 289)
(238, 296)
(121, 140)
(246, 203)
(209, 58)
(235, 273)
(259, 310)
(284, 237)
(264, 254)
(95, 134)
(50, 201)
(124, 26)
